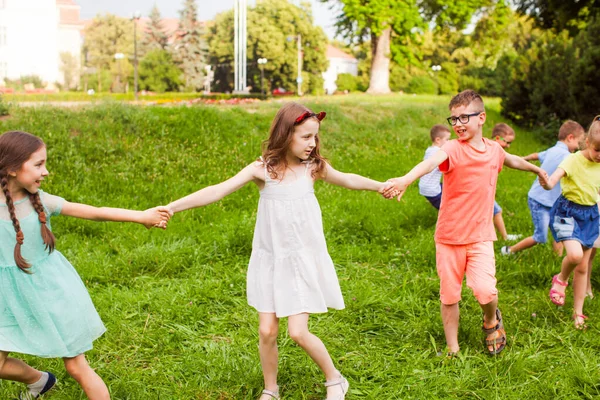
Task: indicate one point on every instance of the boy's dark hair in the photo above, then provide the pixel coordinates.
(502, 130)
(465, 98)
(570, 127)
(437, 131)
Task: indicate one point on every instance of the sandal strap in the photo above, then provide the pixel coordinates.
(271, 393)
(499, 325)
(559, 282)
(339, 381)
(499, 339)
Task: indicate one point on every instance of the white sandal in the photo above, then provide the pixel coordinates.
(343, 382)
(273, 394)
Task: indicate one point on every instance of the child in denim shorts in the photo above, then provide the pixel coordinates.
(574, 219)
(570, 137)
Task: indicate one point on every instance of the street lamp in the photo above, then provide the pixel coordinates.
(262, 62)
(135, 17)
(119, 57)
(436, 68)
(299, 76)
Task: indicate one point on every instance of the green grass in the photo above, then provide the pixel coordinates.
(174, 302)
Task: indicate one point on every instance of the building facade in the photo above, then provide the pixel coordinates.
(34, 33)
(339, 63)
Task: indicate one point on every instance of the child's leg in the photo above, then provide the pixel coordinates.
(499, 224)
(580, 286)
(450, 320)
(12, 369)
(558, 248)
(522, 245)
(569, 262)
(268, 328)
(314, 347)
(93, 386)
(588, 290)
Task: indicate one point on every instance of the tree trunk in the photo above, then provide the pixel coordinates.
(379, 81)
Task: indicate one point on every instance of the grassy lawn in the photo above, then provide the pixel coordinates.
(174, 301)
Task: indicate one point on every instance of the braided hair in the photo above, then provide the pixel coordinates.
(15, 149)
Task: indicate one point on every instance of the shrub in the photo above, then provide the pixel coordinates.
(422, 85)
(347, 82)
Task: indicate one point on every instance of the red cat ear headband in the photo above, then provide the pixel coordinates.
(307, 114)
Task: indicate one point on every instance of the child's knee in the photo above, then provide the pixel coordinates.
(298, 335)
(76, 366)
(268, 331)
(485, 293)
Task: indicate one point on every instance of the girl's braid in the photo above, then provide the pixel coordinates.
(19, 260)
(47, 235)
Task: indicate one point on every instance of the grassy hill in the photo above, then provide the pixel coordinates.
(174, 302)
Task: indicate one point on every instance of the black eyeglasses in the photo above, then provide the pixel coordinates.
(463, 118)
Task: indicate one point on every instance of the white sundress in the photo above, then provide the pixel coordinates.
(290, 271)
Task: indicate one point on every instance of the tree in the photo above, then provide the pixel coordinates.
(190, 49)
(106, 36)
(560, 14)
(375, 20)
(69, 66)
(154, 37)
(394, 24)
(273, 27)
(158, 72)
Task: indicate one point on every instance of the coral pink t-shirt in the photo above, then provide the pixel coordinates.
(470, 177)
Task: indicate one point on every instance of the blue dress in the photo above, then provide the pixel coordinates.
(47, 313)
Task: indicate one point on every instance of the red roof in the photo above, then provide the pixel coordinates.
(334, 52)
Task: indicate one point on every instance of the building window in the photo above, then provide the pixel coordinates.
(2, 35)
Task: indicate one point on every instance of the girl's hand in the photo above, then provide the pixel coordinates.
(156, 217)
(543, 178)
(396, 188)
(386, 187)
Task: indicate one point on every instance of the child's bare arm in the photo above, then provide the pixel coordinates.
(531, 157)
(157, 216)
(211, 194)
(554, 179)
(399, 185)
(516, 162)
(350, 181)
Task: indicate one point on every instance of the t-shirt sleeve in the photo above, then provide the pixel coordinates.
(542, 156)
(451, 149)
(501, 158)
(53, 204)
(568, 164)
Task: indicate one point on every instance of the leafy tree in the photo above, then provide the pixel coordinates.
(69, 66)
(273, 28)
(158, 72)
(560, 14)
(391, 26)
(190, 49)
(154, 37)
(106, 36)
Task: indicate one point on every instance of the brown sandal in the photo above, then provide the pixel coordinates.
(498, 338)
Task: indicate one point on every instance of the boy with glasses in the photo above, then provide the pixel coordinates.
(465, 232)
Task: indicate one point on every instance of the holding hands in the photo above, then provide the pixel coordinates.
(156, 217)
(395, 187)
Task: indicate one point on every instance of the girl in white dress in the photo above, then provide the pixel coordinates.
(290, 272)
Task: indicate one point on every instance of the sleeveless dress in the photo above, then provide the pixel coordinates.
(47, 313)
(290, 271)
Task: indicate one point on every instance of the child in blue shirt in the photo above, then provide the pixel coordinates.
(540, 201)
(429, 184)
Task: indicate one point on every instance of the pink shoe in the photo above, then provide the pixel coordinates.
(561, 296)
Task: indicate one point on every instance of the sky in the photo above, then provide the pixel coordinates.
(207, 9)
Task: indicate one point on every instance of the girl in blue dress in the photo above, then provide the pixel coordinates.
(45, 309)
